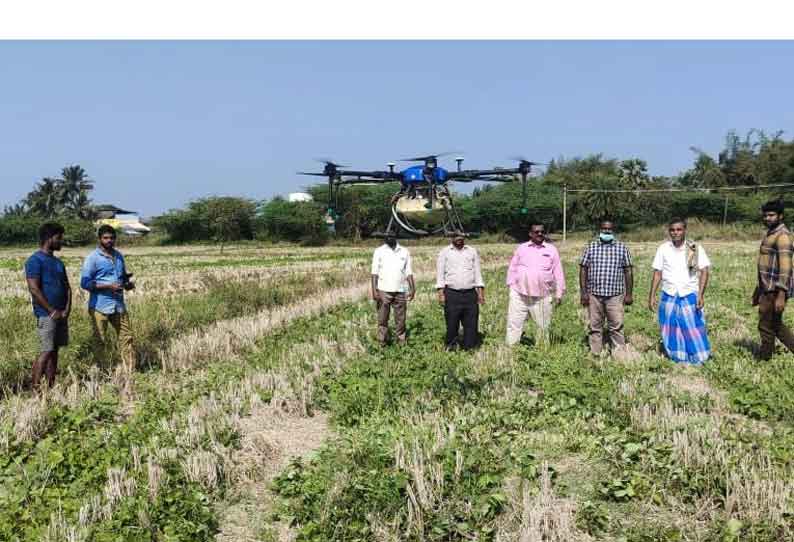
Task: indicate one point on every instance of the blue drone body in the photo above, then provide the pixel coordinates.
(415, 175)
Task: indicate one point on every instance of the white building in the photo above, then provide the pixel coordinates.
(299, 196)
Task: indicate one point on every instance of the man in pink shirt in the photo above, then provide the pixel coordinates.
(534, 276)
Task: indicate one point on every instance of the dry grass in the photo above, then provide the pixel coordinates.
(757, 489)
(536, 515)
(417, 454)
(269, 440)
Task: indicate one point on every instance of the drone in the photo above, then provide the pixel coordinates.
(423, 205)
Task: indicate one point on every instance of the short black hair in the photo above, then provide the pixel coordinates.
(48, 230)
(604, 221)
(106, 228)
(773, 206)
(677, 220)
(536, 223)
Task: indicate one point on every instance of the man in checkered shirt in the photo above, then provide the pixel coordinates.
(606, 283)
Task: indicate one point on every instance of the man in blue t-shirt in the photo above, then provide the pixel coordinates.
(52, 300)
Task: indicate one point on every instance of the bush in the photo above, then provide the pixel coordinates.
(24, 230)
(217, 218)
(303, 222)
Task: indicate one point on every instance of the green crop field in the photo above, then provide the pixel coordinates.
(262, 409)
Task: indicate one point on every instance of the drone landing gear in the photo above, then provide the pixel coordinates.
(395, 228)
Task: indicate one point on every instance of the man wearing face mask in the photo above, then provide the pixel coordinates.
(606, 283)
(775, 280)
(682, 268)
(460, 289)
(392, 286)
(534, 277)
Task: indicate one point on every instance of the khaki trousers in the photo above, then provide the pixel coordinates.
(121, 324)
(540, 308)
(771, 326)
(609, 308)
(389, 300)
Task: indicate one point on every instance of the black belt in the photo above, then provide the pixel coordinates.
(459, 291)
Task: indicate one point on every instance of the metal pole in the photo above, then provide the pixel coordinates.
(564, 212)
(725, 212)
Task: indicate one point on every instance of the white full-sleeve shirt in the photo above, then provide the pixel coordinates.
(459, 269)
(393, 267)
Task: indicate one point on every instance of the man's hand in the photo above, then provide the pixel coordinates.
(557, 301)
(441, 297)
(129, 285)
(376, 295)
(700, 303)
(628, 299)
(756, 299)
(585, 299)
(481, 297)
(652, 304)
(57, 314)
(411, 295)
(780, 301)
(115, 287)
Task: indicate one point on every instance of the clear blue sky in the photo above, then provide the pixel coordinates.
(156, 124)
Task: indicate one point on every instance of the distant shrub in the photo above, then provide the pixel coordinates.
(23, 230)
(217, 218)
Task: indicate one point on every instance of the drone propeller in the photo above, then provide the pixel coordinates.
(315, 174)
(328, 162)
(428, 157)
(526, 160)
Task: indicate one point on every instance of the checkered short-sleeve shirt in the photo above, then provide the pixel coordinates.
(605, 263)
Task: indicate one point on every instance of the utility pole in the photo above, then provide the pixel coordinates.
(725, 212)
(564, 212)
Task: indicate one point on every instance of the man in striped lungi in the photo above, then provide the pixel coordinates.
(682, 268)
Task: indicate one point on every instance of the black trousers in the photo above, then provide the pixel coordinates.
(461, 307)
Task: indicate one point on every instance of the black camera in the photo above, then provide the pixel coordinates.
(126, 281)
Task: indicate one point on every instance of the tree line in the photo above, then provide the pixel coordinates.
(66, 198)
(755, 159)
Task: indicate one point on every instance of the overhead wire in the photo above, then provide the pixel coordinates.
(648, 190)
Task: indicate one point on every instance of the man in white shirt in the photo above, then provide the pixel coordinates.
(392, 286)
(682, 269)
(460, 289)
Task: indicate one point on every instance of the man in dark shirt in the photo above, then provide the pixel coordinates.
(606, 283)
(52, 300)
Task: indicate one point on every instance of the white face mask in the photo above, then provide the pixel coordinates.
(606, 237)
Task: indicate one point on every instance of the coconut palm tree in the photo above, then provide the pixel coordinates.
(75, 186)
(46, 199)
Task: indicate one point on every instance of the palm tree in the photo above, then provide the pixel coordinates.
(600, 204)
(17, 210)
(76, 186)
(46, 199)
(633, 174)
